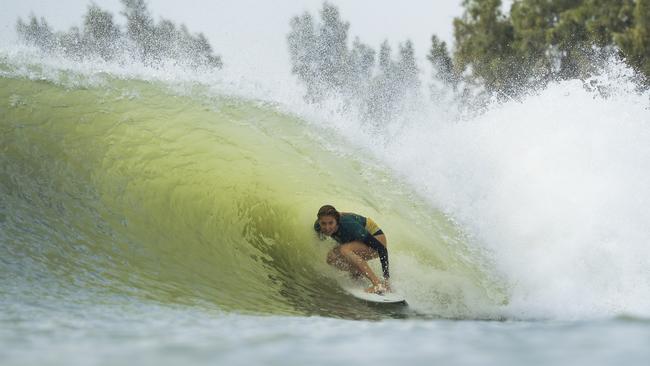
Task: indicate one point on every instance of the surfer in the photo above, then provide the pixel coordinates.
(360, 239)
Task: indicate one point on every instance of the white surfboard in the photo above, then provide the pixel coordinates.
(386, 298)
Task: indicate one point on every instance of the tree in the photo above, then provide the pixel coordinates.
(544, 40)
(101, 35)
(332, 48)
(73, 45)
(444, 80)
(362, 62)
(205, 52)
(140, 28)
(381, 95)
(144, 40)
(302, 41)
(607, 18)
(483, 44)
(396, 84)
(571, 44)
(319, 52)
(565, 39)
(635, 40)
(441, 61)
(36, 33)
(329, 68)
(407, 69)
(531, 21)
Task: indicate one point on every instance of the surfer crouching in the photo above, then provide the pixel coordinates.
(360, 239)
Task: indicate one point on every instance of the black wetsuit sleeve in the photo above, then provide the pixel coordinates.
(375, 244)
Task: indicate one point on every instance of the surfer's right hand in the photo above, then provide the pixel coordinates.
(387, 286)
(378, 289)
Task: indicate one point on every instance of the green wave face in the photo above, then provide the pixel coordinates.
(130, 190)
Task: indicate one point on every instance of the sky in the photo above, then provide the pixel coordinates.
(251, 34)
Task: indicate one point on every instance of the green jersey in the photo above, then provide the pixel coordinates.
(352, 227)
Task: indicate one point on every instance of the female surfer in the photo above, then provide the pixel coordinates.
(360, 239)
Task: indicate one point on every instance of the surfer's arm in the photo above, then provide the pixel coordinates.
(373, 243)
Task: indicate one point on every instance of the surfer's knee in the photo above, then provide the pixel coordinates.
(333, 257)
(345, 250)
(349, 249)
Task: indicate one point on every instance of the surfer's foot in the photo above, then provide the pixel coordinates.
(378, 289)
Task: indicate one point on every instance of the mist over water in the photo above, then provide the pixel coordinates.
(552, 187)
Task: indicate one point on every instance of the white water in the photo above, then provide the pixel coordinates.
(552, 188)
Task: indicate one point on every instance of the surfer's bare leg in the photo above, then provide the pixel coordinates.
(356, 254)
(336, 259)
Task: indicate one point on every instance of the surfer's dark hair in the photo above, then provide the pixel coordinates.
(329, 210)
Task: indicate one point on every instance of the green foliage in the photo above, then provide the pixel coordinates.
(483, 42)
(140, 28)
(407, 70)
(332, 47)
(156, 43)
(302, 41)
(442, 63)
(445, 79)
(396, 84)
(328, 67)
(101, 34)
(531, 21)
(319, 52)
(362, 62)
(144, 40)
(36, 32)
(542, 40)
(635, 40)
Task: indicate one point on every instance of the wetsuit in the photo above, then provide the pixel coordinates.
(353, 227)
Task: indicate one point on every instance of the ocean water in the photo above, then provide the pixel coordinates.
(164, 216)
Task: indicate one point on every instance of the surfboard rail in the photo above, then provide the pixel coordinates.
(386, 298)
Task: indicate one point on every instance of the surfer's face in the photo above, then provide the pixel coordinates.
(328, 225)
